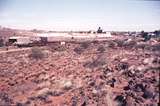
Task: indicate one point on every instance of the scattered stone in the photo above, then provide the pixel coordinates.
(55, 93)
(121, 100)
(44, 84)
(92, 78)
(63, 43)
(140, 87)
(111, 82)
(91, 83)
(123, 66)
(148, 61)
(74, 101)
(94, 91)
(66, 84)
(5, 100)
(19, 104)
(78, 50)
(84, 103)
(43, 91)
(148, 94)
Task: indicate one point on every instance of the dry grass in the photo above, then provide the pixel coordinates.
(36, 53)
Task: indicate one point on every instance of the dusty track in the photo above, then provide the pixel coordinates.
(13, 50)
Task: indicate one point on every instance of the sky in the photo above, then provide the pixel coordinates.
(111, 15)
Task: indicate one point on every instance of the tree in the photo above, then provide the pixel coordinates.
(146, 36)
(99, 30)
(157, 32)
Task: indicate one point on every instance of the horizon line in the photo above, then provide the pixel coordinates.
(71, 29)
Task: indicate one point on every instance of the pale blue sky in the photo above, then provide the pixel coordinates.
(81, 14)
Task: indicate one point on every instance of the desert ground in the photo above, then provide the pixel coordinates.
(118, 71)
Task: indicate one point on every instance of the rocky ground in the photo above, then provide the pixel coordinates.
(117, 72)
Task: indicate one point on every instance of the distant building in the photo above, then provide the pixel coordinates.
(21, 40)
(44, 38)
(103, 35)
(16, 40)
(52, 37)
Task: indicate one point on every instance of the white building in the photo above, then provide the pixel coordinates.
(72, 36)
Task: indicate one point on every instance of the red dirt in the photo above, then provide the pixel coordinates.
(118, 76)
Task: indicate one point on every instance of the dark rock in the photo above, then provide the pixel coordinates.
(139, 75)
(153, 104)
(113, 79)
(111, 82)
(78, 50)
(121, 100)
(147, 94)
(139, 87)
(132, 94)
(131, 82)
(28, 102)
(42, 97)
(107, 70)
(91, 83)
(20, 104)
(54, 93)
(32, 98)
(74, 100)
(5, 99)
(126, 88)
(123, 66)
(130, 74)
(129, 86)
(84, 104)
(139, 99)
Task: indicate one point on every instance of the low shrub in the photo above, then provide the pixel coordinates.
(78, 50)
(143, 46)
(85, 45)
(101, 49)
(95, 63)
(57, 47)
(156, 47)
(82, 47)
(1, 42)
(119, 43)
(112, 44)
(36, 53)
(130, 44)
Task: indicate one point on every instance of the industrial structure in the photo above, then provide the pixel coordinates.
(43, 38)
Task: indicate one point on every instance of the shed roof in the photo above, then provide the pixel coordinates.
(18, 37)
